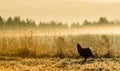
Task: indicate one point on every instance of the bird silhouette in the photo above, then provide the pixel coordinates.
(84, 52)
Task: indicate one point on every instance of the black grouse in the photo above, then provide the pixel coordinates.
(84, 52)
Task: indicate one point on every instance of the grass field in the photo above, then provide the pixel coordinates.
(57, 64)
(54, 44)
(56, 51)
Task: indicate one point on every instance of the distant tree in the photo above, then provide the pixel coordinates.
(1, 22)
(61, 25)
(94, 22)
(23, 23)
(30, 23)
(65, 26)
(103, 20)
(17, 19)
(41, 24)
(52, 24)
(75, 25)
(9, 22)
(16, 22)
(86, 22)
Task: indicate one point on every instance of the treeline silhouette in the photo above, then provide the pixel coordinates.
(101, 21)
(17, 23)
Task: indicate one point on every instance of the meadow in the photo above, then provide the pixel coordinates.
(57, 43)
(55, 50)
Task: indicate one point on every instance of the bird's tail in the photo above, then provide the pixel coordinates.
(93, 56)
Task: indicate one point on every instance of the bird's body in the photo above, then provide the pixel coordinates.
(84, 52)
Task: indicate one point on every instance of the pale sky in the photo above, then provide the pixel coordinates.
(61, 10)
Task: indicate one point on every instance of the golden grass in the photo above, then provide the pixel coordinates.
(29, 44)
(57, 64)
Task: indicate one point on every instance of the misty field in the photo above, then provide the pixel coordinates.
(57, 44)
(56, 51)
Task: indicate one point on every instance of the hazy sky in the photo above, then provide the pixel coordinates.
(60, 10)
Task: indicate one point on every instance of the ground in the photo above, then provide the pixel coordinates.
(57, 64)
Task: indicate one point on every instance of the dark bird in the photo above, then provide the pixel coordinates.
(84, 52)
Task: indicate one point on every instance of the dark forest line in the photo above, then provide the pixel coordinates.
(17, 23)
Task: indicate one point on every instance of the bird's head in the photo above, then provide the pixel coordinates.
(78, 45)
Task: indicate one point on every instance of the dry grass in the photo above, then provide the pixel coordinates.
(29, 44)
(57, 64)
(51, 51)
